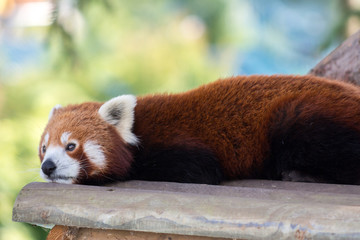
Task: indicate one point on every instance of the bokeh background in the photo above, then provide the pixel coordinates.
(70, 51)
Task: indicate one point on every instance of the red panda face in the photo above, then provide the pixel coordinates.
(88, 143)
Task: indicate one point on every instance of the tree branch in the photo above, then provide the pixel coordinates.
(343, 63)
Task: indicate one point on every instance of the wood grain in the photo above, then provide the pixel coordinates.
(68, 233)
(198, 210)
(343, 63)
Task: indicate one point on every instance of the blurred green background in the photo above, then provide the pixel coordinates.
(71, 51)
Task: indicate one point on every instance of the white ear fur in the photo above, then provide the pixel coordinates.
(53, 110)
(119, 111)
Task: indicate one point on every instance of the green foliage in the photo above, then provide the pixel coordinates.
(121, 47)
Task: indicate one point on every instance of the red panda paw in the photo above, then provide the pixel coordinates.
(297, 176)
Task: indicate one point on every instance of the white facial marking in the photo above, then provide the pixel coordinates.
(67, 168)
(65, 137)
(46, 139)
(119, 111)
(65, 181)
(53, 110)
(95, 153)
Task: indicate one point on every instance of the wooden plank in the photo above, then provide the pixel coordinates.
(69, 233)
(199, 210)
(250, 183)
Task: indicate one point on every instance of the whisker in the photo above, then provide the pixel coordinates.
(107, 177)
(36, 179)
(29, 170)
(87, 176)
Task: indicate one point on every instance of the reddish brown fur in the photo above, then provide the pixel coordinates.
(230, 117)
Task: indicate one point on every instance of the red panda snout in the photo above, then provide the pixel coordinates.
(48, 167)
(58, 166)
(73, 163)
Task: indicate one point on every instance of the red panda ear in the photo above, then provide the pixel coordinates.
(119, 112)
(53, 110)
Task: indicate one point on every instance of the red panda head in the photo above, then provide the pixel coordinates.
(89, 142)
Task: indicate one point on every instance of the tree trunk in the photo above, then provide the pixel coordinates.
(343, 63)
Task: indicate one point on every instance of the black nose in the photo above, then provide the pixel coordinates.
(48, 167)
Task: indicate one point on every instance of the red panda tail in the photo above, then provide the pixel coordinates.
(314, 140)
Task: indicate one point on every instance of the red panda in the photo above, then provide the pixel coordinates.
(300, 128)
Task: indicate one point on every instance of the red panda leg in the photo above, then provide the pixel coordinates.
(296, 176)
(176, 164)
(314, 144)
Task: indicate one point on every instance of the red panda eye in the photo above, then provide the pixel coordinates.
(43, 149)
(70, 147)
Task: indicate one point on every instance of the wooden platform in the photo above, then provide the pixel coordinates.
(252, 209)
